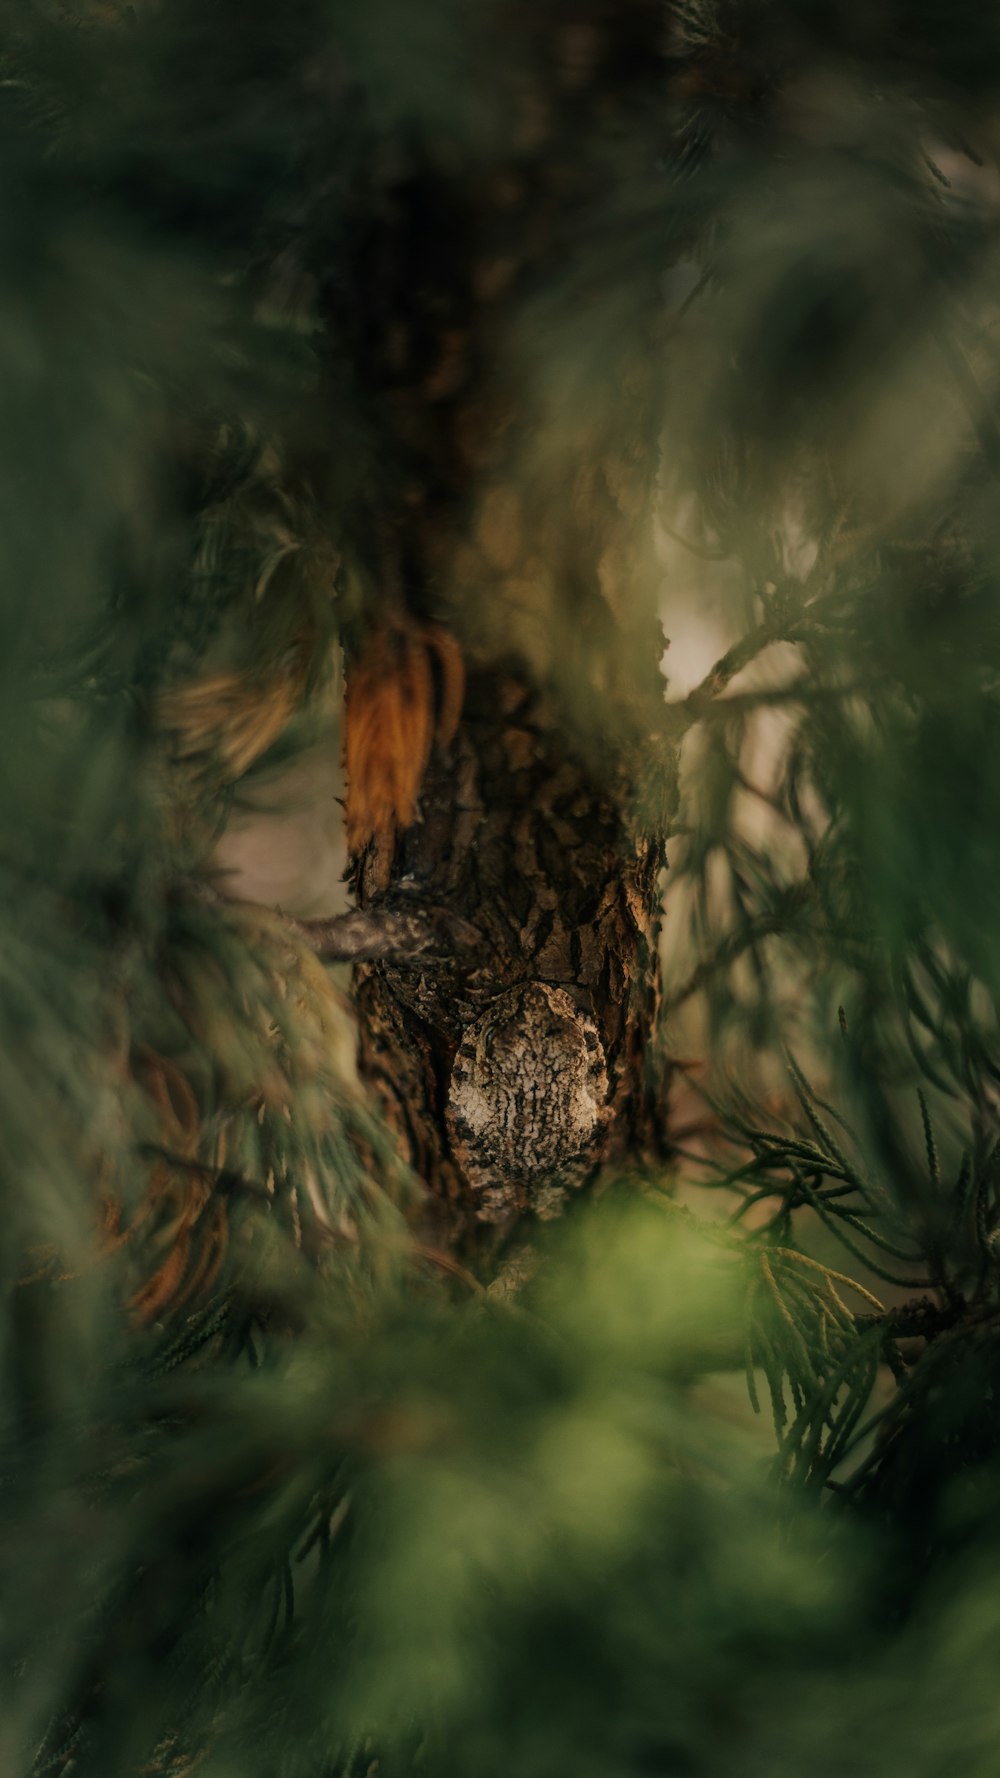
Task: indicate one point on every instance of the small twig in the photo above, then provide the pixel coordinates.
(392, 935)
(395, 936)
(918, 1318)
(692, 708)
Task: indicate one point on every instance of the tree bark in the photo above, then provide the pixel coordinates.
(517, 838)
(514, 508)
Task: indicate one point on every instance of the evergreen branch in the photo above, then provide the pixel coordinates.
(806, 1099)
(860, 1227)
(909, 1389)
(933, 1166)
(794, 1331)
(760, 926)
(734, 661)
(691, 709)
(785, 1151)
(920, 1318)
(840, 1436)
(827, 1218)
(831, 1276)
(790, 1199)
(815, 1409)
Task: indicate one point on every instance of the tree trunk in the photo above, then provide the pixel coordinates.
(510, 1074)
(514, 510)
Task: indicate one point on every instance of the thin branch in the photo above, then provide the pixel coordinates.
(918, 1318)
(391, 935)
(394, 936)
(732, 662)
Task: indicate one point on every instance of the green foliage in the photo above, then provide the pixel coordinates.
(473, 1513)
(351, 1510)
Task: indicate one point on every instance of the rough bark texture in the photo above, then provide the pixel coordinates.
(515, 507)
(518, 839)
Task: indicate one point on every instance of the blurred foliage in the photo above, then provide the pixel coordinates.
(351, 1512)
